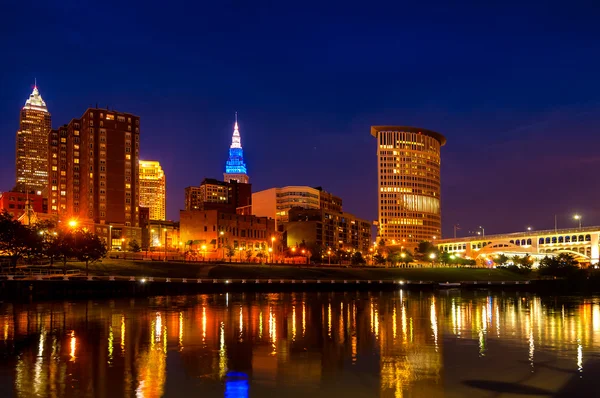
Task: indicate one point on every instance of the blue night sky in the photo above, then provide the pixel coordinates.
(514, 86)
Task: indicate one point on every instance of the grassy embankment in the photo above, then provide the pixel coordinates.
(241, 271)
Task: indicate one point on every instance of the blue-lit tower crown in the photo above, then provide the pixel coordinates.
(235, 168)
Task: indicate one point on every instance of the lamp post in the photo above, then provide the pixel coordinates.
(240, 250)
(222, 243)
(329, 255)
(303, 253)
(273, 248)
(482, 231)
(203, 253)
(432, 258)
(271, 253)
(110, 238)
(166, 233)
(403, 256)
(578, 218)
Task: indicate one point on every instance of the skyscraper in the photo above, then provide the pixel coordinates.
(32, 145)
(408, 171)
(94, 173)
(153, 189)
(235, 168)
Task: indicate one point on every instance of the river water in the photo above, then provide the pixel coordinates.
(390, 344)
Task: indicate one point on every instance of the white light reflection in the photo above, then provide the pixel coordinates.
(222, 352)
(579, 358)
(434, 324)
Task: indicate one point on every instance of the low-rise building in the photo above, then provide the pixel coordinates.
(15, 203)
(212, 231)
(327, 229)
(213, 194)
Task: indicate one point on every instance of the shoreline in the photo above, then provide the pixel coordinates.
(124, 287)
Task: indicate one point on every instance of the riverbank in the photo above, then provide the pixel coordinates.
(110, 267)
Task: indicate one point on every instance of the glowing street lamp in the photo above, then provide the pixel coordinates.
(271, 253)
(578, 218)
(305, 253)
(432, 258)
(329, 255)
(72, 223)
(203, 252)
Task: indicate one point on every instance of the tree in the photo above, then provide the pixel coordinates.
(65, 247)
(16, 239)
(248, 254)
(424, 251)
(134, 246)
(88, 247)
(357, 259)
(501, 259)
(563, 265)
(229, 252)
(379, 259)
(393, 258)
(405, 257)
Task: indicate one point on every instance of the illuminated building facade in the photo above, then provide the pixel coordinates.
(408, 174)
(235, 168)
(213, 194)
(15, 203)
(216, 230)
(327, 229)
(276, 202)
(153, 185)
(32, 145)
(94, 174)
(583, 243)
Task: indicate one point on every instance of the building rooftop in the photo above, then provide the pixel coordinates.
(418, 130)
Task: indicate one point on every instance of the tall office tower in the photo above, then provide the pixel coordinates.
(153, 192)
(235, 168)
(94, 170)
(32, 145)
(408, 173)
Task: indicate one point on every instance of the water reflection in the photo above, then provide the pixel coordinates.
(366, 344)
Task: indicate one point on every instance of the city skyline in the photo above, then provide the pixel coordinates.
(516, 121)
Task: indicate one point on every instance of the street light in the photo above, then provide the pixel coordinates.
(272, 248)
(329, 255)
(432, 257)
(203, 252)
(482, 231)
(528, 228)
(73, 223)
(303, 253)
(578, 218)
(271, 253)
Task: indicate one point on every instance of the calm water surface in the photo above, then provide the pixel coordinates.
(393, 344)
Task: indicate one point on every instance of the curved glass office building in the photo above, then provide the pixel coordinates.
(408, 175)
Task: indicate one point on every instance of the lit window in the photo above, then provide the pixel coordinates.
(63, 193)
(91, 175)
(54, 168)
(127, 186)
(63, 140)
(128, 157)
(54, 187)
(76, 160)
(110, 117)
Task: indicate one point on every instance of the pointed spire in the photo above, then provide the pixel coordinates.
(35, 82)
(236, 141)
(35, 100)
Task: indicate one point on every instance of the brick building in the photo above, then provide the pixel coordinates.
(327, 229)
(213, 194)
(216, 230)
(14, 203)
